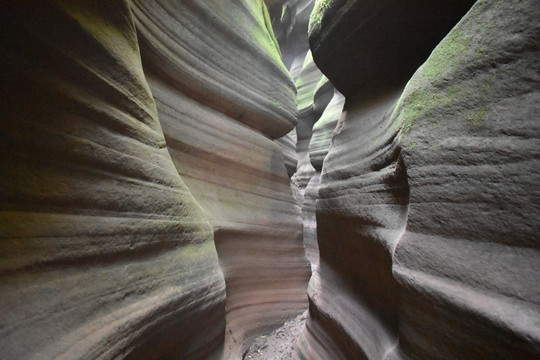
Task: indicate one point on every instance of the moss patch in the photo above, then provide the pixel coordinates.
(476, 118)
(318, 11)
(448, 55)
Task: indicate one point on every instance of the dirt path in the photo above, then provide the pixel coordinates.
(279, 344)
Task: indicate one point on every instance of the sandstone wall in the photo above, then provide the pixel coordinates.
(428, 209)
(104, 252)
(150, 215)
(319, 145)
(223, 95)
(314, 94)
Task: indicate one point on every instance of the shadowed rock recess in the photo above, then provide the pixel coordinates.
(169, 170)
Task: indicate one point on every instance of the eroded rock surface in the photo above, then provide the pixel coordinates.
(318, 149)
(425, 189)
(427, 210)
(364, 44)
(470, 257)
(222, 54)
(104, 253)
(226, 154)
(287, 144)
(323, 130)
(307, 83)
(290, 19)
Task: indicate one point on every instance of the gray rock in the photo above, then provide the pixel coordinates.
(428, 204)
(104, 252)
(222, 54)
(236, 172)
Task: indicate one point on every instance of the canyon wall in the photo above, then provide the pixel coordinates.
(104, 252)
(112, 195)
(223, 95)
(290, 20)
(160, 175)
(319, 146)
(428, 206)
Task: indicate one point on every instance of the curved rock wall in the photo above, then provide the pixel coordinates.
(427, 206)
(427, 209)
(314, 94)
(364, 44)
(287, 144)
(290, 20)
(469, 261)
(228, 158)
(307, 82)
(321, 139)
(319, 145)
(222, 54)
(104, 253)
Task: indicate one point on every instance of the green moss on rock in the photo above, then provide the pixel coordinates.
(318, 11)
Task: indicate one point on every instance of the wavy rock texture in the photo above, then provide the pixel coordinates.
(469, 261)
(290, 20)
(318, 148)
(104, 253)
(361, 213)
(324, 93)
(314, 95)
(235, 171)
(307, 85)
(357, 42)
(427, 208)
(323, 130)
(307, 178)
(309, 220)
(204, 47)
(287, 144)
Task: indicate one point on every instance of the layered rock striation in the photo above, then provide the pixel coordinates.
(290, 20)
(314, 95)
(363, 45)
(427, 211)
(323, 130)
(319, 145)
(104, 253)
(158, 214)
(287, 144)
(219, 127)
(225, 56)
(469, 259)
(309, 110)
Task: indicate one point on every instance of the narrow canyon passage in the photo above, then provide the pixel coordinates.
(277, 179)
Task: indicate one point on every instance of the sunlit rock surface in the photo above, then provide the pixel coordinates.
(308, 114)
(290, 19)
(104, 254)
(323, 130)
(427, 209)
(222, 54)
(309, 81)
(228, 158)
(287, 144)
(318, 148)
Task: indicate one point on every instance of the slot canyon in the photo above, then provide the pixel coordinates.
(270, 179)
